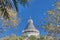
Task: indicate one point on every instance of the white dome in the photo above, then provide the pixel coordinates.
(30, 29)
(30, 21)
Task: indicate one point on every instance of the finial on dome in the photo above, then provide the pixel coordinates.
(30, 20)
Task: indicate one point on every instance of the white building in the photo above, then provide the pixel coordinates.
(30, 29)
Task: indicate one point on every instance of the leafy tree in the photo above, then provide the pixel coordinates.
(53, 21)
(9, 10)
(32, 38)
(36, 38)
(41, 38)
(21, 38)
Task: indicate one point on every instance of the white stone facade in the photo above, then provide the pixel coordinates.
(30, 29)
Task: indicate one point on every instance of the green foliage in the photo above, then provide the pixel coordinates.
(21, 38)
(8, 14)
(32, 38)
(36, 38)
(41, 38)
(14, 37)
(53, 23)
(58, 5)
(23, 2)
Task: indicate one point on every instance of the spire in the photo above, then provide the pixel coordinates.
(30, 20)
(30, 29)
(30, 24)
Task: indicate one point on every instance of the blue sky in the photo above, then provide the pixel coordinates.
(36, 9)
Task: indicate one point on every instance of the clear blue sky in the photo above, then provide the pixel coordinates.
(36, 9)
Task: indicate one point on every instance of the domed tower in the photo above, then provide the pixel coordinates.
(30, 29)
